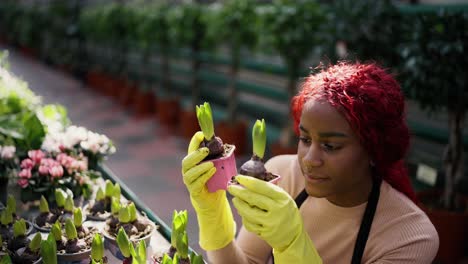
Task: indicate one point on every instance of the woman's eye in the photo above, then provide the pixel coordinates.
(305, 140)
(329, 147)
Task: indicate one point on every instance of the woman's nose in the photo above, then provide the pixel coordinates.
(313, 156)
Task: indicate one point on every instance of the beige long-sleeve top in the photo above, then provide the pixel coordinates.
(400, 233)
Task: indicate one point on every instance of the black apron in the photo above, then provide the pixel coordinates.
(366, 222)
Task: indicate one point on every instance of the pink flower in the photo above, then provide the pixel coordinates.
(8, 152)
(43, 170)
(25, 173)
(36, 156)
(27, 164)
(56, 171)
(23, 183)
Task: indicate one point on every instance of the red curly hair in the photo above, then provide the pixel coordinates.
(373, 104)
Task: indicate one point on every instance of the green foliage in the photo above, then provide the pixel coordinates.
(70, 230)
(133, 212)
(109, 188)
(153, 28)
(182, 245)
(196, 259)
(69, 204)
(11, 204)
(167, 260)
(43, 206)
(78, 217)
(56, 231)
(205, 120)
(259, 138)
(60, 198)
(19, 228)
(117, 191)
(100, 195)
(6, 217)
(115, 206)
(5, 260)
(139, 254)
(49, 250)
(124, 243)
(369, 30)
(290, 27)
(35, 243)
(124, 215)
(179, 225)
(97, 248)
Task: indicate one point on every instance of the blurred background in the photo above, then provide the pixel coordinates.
(135, 70)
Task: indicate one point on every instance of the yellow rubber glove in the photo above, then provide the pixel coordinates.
(215, 220)
(268, 211)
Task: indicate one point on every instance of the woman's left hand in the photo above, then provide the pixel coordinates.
(268, 211)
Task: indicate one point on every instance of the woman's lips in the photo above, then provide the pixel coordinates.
(316, 179)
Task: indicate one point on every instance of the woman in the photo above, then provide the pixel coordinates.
(355, 200)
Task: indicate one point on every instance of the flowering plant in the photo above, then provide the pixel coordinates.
(42, 172)
(79, 140)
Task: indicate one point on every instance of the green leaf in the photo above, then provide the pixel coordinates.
(182, 245)
(117, 191)
(109, 188)
(43, 206)
(35, 243)
(124, 215)
(115, 206)
(6, 217)
(69, 205)
(196, 259)
(179, 224)
(139, 255)
(166, 259)
(56, 231)
(6, 260)
(60, 197)
(11, 204)
(77, 217)
(70, 229)
(259, 138)
(133, 212)
(49, 250)
(124, 243)
(19, 228)
(97, 248)
(100, 195)
(205, 120)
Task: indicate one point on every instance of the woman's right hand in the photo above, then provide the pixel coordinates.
(217, 226)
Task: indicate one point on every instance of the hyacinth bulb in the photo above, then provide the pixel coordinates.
(124, 215)
(60, 197)
(117, 191)
(69, 204)
(35, 243)
(259, 138)
(115, 206)
(100, 195)
(56, 231)
(124, 243)
(179, 223)
(139, 255)
(70, 230)
(19, 228)
(97, 248)
(78, 217)
(43, 206)
(133, 212)
(109, 189)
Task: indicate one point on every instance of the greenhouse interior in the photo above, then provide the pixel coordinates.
(233, 131)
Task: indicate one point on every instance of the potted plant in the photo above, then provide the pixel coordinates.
(6, 223)
(84, 232)
(231, 24)
(97, 251)
(45, 219)
(290, 24)
(435, 41)
(29, 253)
(222, 155)
(59, 239)
(76, 249)
(130, 254)
(100, 208)
(255, 167)
(20, 238)
(136, 227)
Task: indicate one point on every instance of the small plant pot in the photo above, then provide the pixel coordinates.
(225, 170)
(18, 256)
(74, 258)
(276, 180)
(41, 228)
(98, 217)
(110, 242)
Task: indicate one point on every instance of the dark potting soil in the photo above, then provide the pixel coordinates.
(45, 220)
(25, 256)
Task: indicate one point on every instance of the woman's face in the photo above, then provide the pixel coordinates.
(334, 163)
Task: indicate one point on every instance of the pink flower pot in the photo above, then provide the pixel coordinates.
(276, 180)
(225, 170)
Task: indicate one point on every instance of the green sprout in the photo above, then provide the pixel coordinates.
(139, 254)
(6, 217)
(124, 243)
(11, 204)
(43, 206)
(56, 231)
(124, 215)
(196, 259)
(115, 206)
(166, 259)
(5, 260)
(49, 250)
(70, 229)
(117, 191)
(35, 243)
(259, 138)
(19, 228)
(60, 197)
(182, 245)
(78, 217)
(179, 224)
(97, 248)
(69, 205)
(205, 120)
(133, 212)
(100, 195)
(109, 188)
